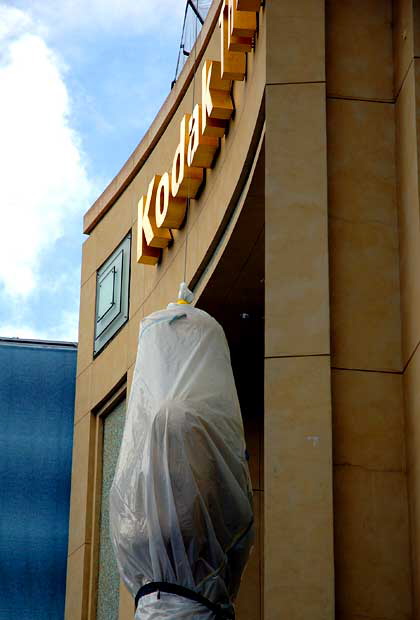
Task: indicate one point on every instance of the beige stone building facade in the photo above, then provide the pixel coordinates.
(303, 239)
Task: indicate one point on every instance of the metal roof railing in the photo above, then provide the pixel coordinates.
(194, 16)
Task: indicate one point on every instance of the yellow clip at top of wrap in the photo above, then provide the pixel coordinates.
(185, 296)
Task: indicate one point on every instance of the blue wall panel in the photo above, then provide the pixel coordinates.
(37, 386)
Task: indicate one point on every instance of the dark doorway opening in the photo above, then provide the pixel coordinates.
(234, 295)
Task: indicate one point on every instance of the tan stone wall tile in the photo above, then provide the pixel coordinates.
(80, 525)
(152, 274)
(126, 608)
(363, 236)
(109, 366)
(368, 419)
(137, 277)
(82, 400)
(359, 49)
(88, 258)
(296, 269)
(403, 40)
(416, 27)
(300, 28)
(408, 212)
(130, 374)
(112, 230)
(248, 603)
(133, 336)
(365, 308)
(77, 586)
(361, 161)
(372, 556)
(299, 572)
(167, 290)
(86, 324)
(412, 411)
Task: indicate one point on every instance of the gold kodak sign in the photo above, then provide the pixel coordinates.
(164, 205)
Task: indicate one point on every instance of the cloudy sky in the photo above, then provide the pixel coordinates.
(80, 82)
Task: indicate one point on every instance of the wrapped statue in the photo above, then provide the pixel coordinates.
(181, 500)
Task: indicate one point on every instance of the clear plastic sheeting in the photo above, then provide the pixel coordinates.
(181, 499)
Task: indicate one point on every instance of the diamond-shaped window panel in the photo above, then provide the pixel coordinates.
(112, 294)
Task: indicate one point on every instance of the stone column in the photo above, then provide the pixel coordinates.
(370, 496)
(407, 98)
(298, 547)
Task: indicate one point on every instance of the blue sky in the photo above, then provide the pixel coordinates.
(80, 83)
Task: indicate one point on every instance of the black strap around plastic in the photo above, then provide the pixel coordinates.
(173, 588)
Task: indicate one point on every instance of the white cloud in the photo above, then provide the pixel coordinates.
(22, 330)
(13, 21)
(65, 330)
(44, 180)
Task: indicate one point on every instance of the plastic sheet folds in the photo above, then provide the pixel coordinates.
(181, 499)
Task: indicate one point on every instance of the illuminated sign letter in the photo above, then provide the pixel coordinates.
(170, 212)
(248, 5)
(233, 63)
(155, 237)
(186, 180)
(145, 254)
(242, 26)
(201, 149)
(216, 102)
